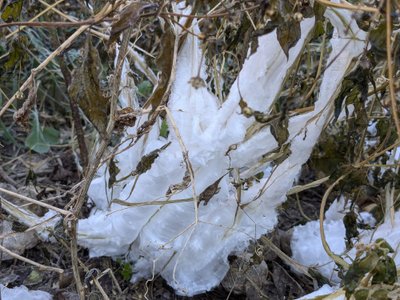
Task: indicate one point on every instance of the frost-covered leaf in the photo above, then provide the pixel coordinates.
(145, 88)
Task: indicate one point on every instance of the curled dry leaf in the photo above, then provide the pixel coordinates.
(164, 62)
(85, 88)
(128, 17)
(288, 33)
(210, 191)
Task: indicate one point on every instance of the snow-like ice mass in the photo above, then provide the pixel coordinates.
(22, 292)
(189, 245)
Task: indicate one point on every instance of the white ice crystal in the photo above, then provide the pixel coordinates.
(189, 246)
(22, 292)
(307, 247)
(306, 242)
(322, 291)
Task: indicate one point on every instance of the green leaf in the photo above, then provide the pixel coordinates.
(40, 139)
(51, 135)
(126, 271)
(145, 88)
(164, 131)
(12, 11)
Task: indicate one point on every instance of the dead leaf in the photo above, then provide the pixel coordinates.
(288, 33)
(85, 88)
(113, 171)
(164, 62)
(210, 191)
(127, 18)
(147, 161)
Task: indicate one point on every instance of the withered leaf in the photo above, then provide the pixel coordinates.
(12, 11)
(173, 188)
(210, 191)
(288, 33)
(85, 88)
(147, 161)
(126, 117)
(279, 129)
(114, 171)
(164, 63)
(127, 18)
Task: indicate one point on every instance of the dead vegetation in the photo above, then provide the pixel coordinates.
(60, 120)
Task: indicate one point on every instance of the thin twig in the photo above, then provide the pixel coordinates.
(33, 19)
(390, 65)
(186, 160)
(31, 262)
(55, 24)
(7, 178)
(92, 169)
(336, 258)
(346, 5)
(33, 201)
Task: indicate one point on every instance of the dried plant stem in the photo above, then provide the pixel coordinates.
(31, 262)
(53, 24)
(104, 12)
(7, 178)
(336, 258)
(390, 65)
(186, 160)
(348, 6)
(93, 165)
(282, 255)
(33, 201)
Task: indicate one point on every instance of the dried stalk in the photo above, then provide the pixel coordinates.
(336, 258)
(93, 166)
(390, 65)
(33, 201)
(31, 262)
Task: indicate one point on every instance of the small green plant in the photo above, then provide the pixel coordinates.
(41, 138)
(125, 270)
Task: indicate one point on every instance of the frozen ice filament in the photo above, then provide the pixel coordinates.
(189, 246)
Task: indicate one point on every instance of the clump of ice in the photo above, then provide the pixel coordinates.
(22, 292)
(306, 242)
(186, 244)
(307, 247)
(324, 290)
